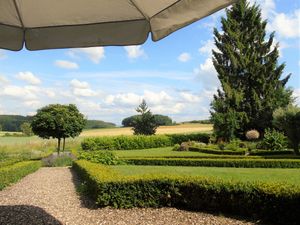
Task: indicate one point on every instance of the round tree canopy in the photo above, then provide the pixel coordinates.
(48, 24)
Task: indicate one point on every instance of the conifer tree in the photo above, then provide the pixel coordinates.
(145, 124)
(246, 61)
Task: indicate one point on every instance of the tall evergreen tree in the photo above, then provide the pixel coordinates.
(247, 67)
(145, 123)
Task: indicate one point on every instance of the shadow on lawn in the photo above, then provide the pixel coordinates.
(25, 214)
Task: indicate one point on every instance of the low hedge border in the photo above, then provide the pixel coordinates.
(271, 202)
(140, 141)
(13, 173)
(271, 153)
(242, 163)
(217, 152)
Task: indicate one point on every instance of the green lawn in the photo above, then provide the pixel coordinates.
(290, 176)
(156, 152)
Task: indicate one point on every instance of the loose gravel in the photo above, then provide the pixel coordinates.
(49, 196)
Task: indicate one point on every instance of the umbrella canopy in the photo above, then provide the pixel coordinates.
(48, 24)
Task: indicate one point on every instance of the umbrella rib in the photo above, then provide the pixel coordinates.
(138, 8)
(166, 8)
(19, 14)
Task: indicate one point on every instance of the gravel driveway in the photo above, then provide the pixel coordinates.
(48, 196)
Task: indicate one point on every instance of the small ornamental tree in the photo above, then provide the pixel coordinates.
(145, 124)
(288, 120)
(26, 129)
(58, 121)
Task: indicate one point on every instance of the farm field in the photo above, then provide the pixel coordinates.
(287, 176)
(181, 128)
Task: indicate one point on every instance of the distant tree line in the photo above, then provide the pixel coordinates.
(199, 121)
(13, 123)
(160, 120)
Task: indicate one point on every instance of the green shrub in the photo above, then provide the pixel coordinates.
(272, 202)
(61, 160)
(140, 141)
(214, 162)
(197, 137)
(273, 140)
(13, 173)
(125, 142)
(233, 145)
(103, 157)
(288, 120)
(176, 147)
(210, 150)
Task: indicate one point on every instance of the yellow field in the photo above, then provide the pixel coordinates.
(182, 128)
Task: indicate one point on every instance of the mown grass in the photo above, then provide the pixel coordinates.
(156, 152)
(288, 176)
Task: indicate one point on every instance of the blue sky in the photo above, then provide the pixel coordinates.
(175, 75)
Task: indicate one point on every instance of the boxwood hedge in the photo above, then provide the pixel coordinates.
(217, 152)
(272, 202)
(12, 173)
(215, 162)
(140, 141)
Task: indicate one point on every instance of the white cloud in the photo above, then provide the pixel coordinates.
(184, 57)
(3, 79)
(84, 92)
(134, 52)
(49, 93)
(29, 77)
(66, 64)
(128, 99)
(296, 95)
(79, 84)
(2, 54)
(32, 103)
(81, 88)
(286, 25)
(207, 47)
(188, 97)
(267, 7)
(155, 98)
(94, 54)
(17, 92)
(207, 74)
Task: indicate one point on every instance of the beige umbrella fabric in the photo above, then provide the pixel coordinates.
(49, 24)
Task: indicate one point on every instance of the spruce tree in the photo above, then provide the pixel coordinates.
(145, 123)
(247, 65)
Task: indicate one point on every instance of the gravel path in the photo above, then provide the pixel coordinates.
(48, 196)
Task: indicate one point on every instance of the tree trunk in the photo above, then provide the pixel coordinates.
(64, 144)
(58, 146)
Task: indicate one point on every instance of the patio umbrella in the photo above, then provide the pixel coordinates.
(48, 24)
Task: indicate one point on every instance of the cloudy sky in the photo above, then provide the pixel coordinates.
(175, 75)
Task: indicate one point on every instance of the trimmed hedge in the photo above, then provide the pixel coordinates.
(140, 141)
(243, 163)
(13, 173)
(125, 142)
(198, 137)
(271, 202)
(217, 152)
(270, 152)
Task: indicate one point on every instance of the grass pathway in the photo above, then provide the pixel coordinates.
(48, 196)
